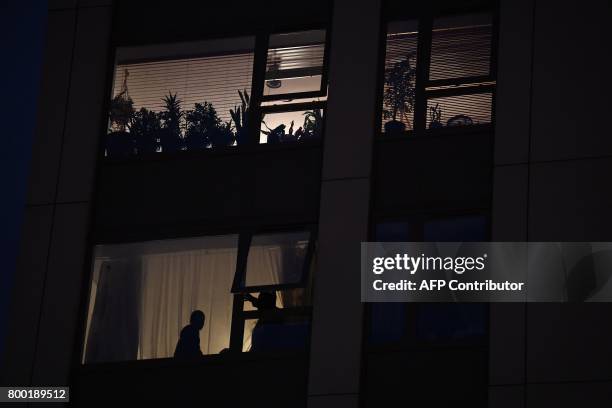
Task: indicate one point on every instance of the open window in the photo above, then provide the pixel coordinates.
(200, 95)
(254, 291)
(295, 66)
(295, 88)
(438, 73)
(273, 291)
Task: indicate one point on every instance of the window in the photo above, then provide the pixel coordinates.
(429, 323)
(143, 294)
(438, 73)
(201, 95)
(295, 88)
(275, 291)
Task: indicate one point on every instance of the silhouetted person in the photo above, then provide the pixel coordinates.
(260, 336)
(265, 300)
(188, 345)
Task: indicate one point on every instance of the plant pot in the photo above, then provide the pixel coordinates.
(395, 127)
(119, 144)
(435, 124)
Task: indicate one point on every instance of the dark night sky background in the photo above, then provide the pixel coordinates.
(22, 27)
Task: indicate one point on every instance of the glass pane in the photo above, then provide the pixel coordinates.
(451, 321)
(276, 259)
(295, 62)
(388, 323)
(400, 77)
(461, 46)
(434, 322)
(286, 298)
(457, 229)
(442, 322)
(175, 97)
(143, 295)
(276, 334)
(459, 110)
(291, 126)
(398, 232)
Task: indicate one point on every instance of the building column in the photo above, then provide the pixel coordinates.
(50, 269)
(335, 359)
(510, 193)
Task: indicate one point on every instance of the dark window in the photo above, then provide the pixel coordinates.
(205, 94)
(404, 324)
(438, 73)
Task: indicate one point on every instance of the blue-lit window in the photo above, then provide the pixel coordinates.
(410, 323)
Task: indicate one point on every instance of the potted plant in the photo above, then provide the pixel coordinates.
(435, 117)
(222, 135)
(399, 94)
(201, 123)
(240, 116)
(275, 135)
(119, 142)
(145, 128)
(313, 125)
(171, 138)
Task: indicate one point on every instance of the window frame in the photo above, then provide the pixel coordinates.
(245, 240)
(409, 339)
(239, 315)
(322, 91)
(425, 20)
(256, 109)
(259, 110)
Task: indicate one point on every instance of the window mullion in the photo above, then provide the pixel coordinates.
(423, 60)
(257, 86)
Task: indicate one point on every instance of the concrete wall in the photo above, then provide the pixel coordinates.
(553, 160)
(335, 359)
(45, 305)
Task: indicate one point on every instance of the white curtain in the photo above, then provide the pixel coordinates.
(174, 285)
(140, 304)
(112, 333)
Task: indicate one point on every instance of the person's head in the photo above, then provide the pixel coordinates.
(197, 319)
(267, 300)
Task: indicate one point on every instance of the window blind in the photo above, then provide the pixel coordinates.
(214, 79)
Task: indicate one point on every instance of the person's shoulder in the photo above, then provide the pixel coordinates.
(188, 330)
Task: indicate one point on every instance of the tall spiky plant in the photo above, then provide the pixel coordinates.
(240, 116)
(171, 137)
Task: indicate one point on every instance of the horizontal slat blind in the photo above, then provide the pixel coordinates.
(461, 48)
(458, 52)
(214, 79)
(307, 56)
(473, 109)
